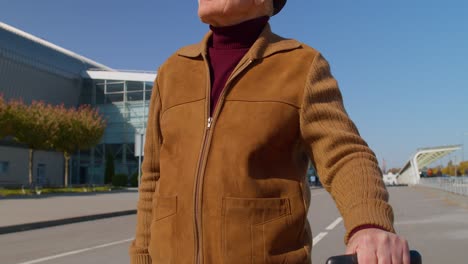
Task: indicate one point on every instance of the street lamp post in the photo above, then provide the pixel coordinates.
(139, 145)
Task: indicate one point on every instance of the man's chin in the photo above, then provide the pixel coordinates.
(207, 19)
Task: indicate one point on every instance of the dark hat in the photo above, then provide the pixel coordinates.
(278, 5)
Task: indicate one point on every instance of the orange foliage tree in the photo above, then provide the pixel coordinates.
(45, 126)
(3, 118)
(78, 129)
(32, 125)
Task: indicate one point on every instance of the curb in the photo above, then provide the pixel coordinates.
(58, 194)
(64, 221)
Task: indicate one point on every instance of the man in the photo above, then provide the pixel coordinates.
(232, 125)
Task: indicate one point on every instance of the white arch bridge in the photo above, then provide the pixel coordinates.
(410, 173)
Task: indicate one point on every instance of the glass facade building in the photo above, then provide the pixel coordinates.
(123, 99)
(34, 69)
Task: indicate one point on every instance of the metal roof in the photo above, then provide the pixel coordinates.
(125, 75)
(21, 46)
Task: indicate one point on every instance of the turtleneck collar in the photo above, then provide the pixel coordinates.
(238, 36)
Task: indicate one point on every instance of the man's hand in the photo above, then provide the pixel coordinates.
(376, 246)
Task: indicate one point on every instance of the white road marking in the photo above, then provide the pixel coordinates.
(330, 227)
(334, 224)
(318, 238)
(74, 252)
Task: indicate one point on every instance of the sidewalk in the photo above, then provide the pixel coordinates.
(26, 213)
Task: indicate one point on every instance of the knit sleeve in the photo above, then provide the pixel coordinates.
(138, 249)
(346, 166)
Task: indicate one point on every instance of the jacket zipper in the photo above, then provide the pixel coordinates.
(202, 159)
(196, 195)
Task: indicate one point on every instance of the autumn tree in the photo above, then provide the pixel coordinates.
(463, 167)
(33, 125)
(4, 124)
(437, 171)
(78, 129)
(446, 170)
(44, 126)
(455, 170)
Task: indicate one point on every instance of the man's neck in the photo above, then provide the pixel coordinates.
(241, 35)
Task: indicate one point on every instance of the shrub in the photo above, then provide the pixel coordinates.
(134, 180)
(109, 169)
(120, 179)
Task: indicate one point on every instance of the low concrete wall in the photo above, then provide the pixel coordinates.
(48, 167)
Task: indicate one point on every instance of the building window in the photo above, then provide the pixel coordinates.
(114, 86)
(148, 86)
(100, 93)
(134, 86)
(114, 98)
(148, 89)
(135, 96)
(4, 167)
(147, 95)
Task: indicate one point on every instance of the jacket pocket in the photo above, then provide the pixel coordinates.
(254, 229)
(162, 247)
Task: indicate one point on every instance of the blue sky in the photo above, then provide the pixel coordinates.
(402, 66)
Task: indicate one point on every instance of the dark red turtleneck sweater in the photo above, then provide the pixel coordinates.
(226, 48)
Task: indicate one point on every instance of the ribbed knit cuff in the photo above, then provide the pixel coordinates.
(371, 212)
(359, 228)
(140, 259)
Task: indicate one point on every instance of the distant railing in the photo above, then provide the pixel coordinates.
(458, 185)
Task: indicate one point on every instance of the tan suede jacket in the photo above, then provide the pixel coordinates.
(231, 188)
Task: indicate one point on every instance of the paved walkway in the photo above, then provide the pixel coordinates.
(18, 214)
(26, 213)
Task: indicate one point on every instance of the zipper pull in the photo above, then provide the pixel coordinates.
(210, 120)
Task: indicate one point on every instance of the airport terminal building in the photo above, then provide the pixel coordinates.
(34, 69)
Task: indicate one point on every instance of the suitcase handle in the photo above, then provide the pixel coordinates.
(415, 258)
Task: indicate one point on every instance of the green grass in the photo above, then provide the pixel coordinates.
(28, 191)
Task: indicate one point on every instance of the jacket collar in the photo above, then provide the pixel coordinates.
(266, 45)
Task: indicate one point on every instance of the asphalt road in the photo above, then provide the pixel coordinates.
(434, 222)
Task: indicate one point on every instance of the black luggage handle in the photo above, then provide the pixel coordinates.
(415, 258)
